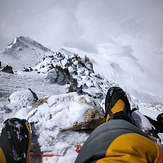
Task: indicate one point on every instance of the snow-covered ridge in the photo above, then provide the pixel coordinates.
(25, 42)
(60, 67)
(68, 86)
(22, 52)
(76, 72)
(53, 120)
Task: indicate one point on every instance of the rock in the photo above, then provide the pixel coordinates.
(59, 75)
(88, 63)
(8, 69)
(74, 87)
(92, 120)
(40, 102)
(23, 98)
(34, 94)
(27, 69)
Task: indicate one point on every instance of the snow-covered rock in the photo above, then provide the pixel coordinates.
(20, 103)
(54, 129)
(23, 98)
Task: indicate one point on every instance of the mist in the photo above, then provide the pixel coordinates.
(82, 24)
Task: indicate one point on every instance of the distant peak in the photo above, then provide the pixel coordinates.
(16, 40)
(26, 42)
(23, 52)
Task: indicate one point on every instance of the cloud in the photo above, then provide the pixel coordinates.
(80, 23)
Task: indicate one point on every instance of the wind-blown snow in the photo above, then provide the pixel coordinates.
(133, 64)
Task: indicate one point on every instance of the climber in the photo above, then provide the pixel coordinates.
(119, 139)
(158, 125)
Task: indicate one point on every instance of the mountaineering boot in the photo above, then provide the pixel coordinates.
(117, 105)
(15, 141)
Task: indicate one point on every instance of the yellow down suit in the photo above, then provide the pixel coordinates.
(118, 141)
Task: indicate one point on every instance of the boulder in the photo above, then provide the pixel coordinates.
(27, 69)
(74, 86)
(92, 120)
(23, 98)
(40, 102)
(59, 75)
(8, 69)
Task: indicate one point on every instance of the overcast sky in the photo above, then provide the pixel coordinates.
(80, 23)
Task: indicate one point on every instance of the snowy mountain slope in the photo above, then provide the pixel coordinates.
(59, 70)
(67, 85)
(17, 53)
(133, 64)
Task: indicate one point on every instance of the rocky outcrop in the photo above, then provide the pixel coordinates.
(8, 69)
(59, 75)
(92, 120)
(73, 87)
(40, 102)
(27, 69)
(34, 94)
(65, 68)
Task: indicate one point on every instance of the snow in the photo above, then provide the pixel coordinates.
(141, 121)
(23, 98)
(14, 53)
(138, 66)
(124, 61)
